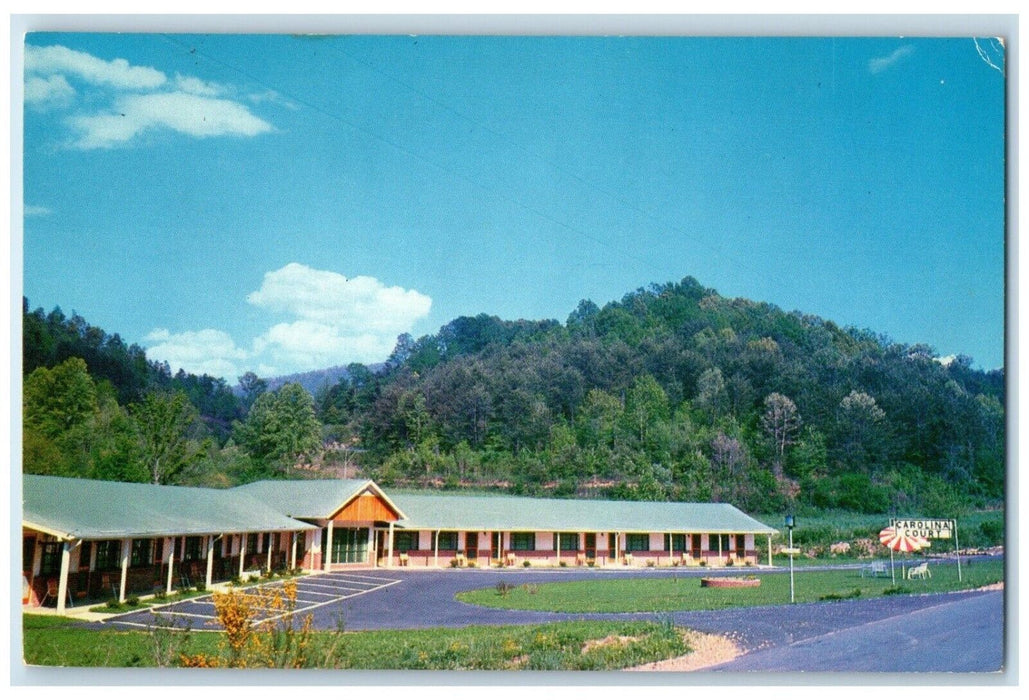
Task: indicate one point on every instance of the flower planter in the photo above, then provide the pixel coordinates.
(729, 582)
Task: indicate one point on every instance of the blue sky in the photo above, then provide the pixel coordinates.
(285, 203)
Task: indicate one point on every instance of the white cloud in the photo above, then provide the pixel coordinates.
(126, 100)
(358, 304)
(208, 351)
(305, 345)
(185, 113)
(53, 89)
(51, 60)
(187, 83)
(878, 65)
(334, 321)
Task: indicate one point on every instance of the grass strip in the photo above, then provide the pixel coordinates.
(579, 645)
(685, 593)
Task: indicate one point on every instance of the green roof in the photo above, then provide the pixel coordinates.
(313, 498)
(486, 513)
(82, 508)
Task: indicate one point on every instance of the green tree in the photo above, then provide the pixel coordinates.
(59, 399)
(645, 404)
(712, 396)
(167, 426)
(281, 427)
(252, 386)
(861, 433)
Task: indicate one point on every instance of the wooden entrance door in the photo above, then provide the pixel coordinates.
(471, 545)
(591, 545)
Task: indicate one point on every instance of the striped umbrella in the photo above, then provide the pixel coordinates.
(899, 542)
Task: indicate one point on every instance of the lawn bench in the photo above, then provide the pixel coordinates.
(874, 569)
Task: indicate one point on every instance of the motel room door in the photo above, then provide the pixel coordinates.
(471, 546)
(591, 545)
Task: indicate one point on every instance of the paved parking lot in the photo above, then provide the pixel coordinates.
(313, 593)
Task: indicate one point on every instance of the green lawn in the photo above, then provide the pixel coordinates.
(681, 593)
(54, 641)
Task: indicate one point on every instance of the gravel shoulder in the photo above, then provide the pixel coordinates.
(707, 650)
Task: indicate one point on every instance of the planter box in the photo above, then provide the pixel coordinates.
(729, 582)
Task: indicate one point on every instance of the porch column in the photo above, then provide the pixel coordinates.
(242, 551)
(671, 549)
(435, 551)
(170, 546)
(271, 542)
(126, 548)
(719, 549)
(327, 557)
(557, 542)
(293, 554)
(769, 549)
(389, 548)
(62, 582)
(210, 561)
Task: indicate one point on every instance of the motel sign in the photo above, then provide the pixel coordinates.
(929, 529)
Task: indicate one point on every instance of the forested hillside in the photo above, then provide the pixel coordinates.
(673, 392)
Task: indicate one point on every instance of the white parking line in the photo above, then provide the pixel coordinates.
(337, 593)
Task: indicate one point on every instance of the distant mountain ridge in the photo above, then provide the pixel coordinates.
(314, 381)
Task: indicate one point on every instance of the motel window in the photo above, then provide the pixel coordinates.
(252, 542)
(523, 541)
(51, 561)
(108, 555)
(448, 540)
(301, 543)
(675, 543)
(193, 549)
(142, 552)
(716, 543)
(85, 550)
(158, 551)
(569, 541)
(637, 542)
(405, 541)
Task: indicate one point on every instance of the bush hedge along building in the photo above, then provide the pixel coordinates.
(89, 540)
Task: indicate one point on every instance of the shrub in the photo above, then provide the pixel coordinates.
(133, 601)
(651, 563)
(503, 588)
(114, 604)
(562, 563)
(201, 587)
(526, 563)
(454, 563)
(856, 593)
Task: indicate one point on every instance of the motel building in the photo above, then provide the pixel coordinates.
(89, 541)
